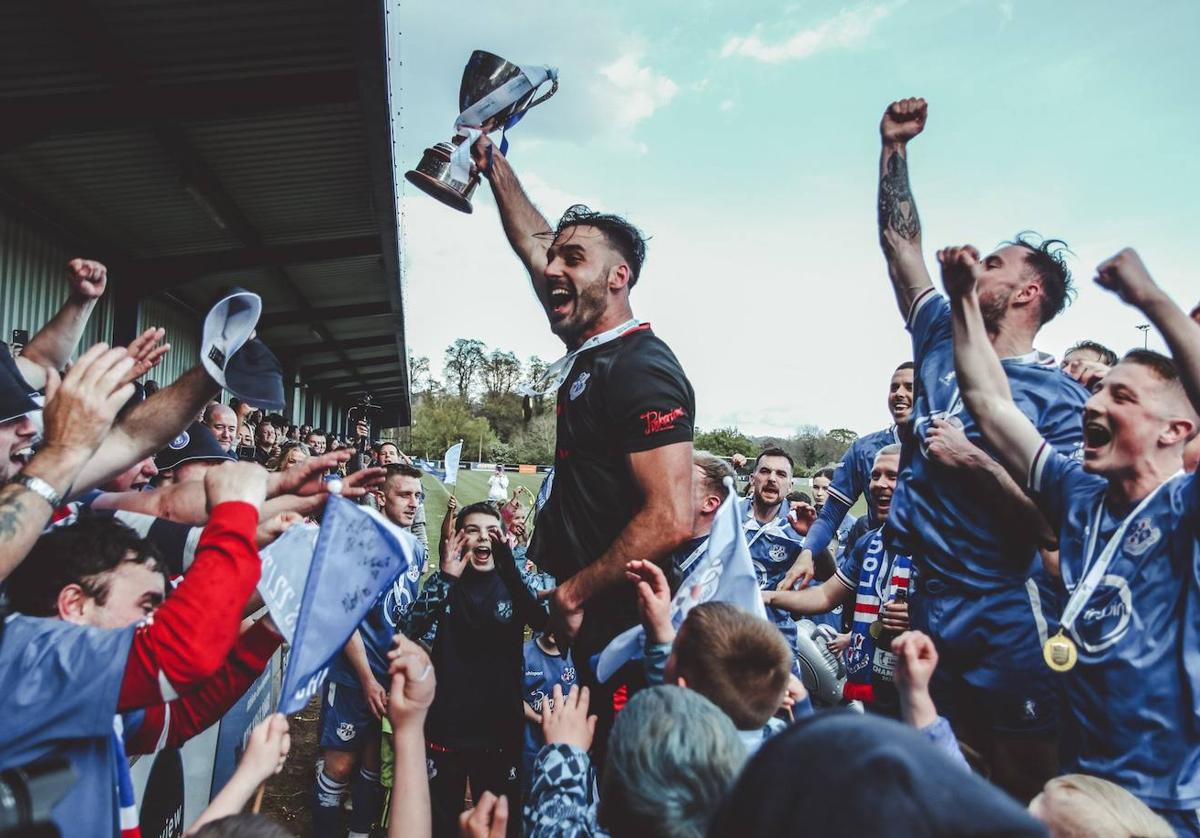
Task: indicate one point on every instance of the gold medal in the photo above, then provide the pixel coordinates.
(1060, 652)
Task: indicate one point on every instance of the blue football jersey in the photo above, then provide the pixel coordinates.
(937, 513)
(850, 481)
(379, 628)
(542, 672)
(1133, 698)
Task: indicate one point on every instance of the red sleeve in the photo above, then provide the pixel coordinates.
(185, 717)
(187, 639)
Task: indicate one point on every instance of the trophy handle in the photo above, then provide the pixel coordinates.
(553, 89)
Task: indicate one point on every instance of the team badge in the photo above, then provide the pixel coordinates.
(504, 610)
(778, 552)
(1142, 537)
(579, 385)
(568, 675)
(179, 442)
(431, 768)
(414, 573)
(345, 731)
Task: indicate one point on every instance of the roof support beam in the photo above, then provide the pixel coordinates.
(35, 117)
(165, 272)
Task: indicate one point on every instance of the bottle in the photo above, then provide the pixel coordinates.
(883, 665)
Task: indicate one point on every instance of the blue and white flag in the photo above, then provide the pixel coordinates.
(285, 564)
(358, 552)
(450, 463)
(430, 469)
(724, 574)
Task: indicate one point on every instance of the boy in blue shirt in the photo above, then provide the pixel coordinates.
(1125, 646)
(545, 666)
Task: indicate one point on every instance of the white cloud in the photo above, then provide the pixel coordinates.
(845, 29)
(1006, 10)
(726, 105)
(633, 91)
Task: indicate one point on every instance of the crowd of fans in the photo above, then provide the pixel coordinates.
(1005, 643)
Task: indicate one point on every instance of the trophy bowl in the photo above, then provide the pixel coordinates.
(484, 74)
(432, 176)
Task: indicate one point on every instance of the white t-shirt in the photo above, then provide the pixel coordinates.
(498, 487)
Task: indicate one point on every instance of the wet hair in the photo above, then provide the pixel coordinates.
(774, 451)
(622, 236)
(481, 508)
(738, 662)
(1106, 355)
(715, 470)
(82, 554)
(1047, 259)
(401, 470)
(1162, 366)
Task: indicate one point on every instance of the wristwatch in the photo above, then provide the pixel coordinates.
(39, 487)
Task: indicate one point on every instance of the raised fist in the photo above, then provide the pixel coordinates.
(960, 269)
(87, 278)
(903, 120)
(1126, 276)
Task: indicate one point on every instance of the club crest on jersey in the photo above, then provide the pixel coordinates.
(778, 552)
(345, 731)
(568, 675)
(1142, 537)
(179, 442)
(504, 610)
(414, 573)
(579, 385)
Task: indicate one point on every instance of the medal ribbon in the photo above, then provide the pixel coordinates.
(1091, 579)
(557, 372)
(468, 122)
(700, 548)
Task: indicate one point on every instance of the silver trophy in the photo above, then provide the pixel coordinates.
(484, 78)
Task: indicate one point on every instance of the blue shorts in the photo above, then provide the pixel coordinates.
(347, 723)
(990, 655)
(1185, 822)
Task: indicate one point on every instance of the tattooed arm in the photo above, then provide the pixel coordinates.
(899, 224)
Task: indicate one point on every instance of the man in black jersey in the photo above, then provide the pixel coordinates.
(623, 461)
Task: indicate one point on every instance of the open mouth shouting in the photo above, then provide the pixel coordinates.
(901, 406)
(1096, 437)
(560, 300)
(481, 557)
(882, 501)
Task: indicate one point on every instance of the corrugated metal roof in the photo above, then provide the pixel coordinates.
(298, 175)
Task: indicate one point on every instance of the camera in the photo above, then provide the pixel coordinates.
(29, 792)
(362, 412)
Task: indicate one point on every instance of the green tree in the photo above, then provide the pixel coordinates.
(725, 442)
(500, 372)
(440, 420)
(843, 436)
(463, 362)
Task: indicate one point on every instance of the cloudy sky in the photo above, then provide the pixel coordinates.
(743, 137)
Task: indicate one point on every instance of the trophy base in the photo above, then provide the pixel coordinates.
(432, 176)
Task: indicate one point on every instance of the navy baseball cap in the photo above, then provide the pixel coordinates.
(196, 443)
(16, 396)
(235, 358)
